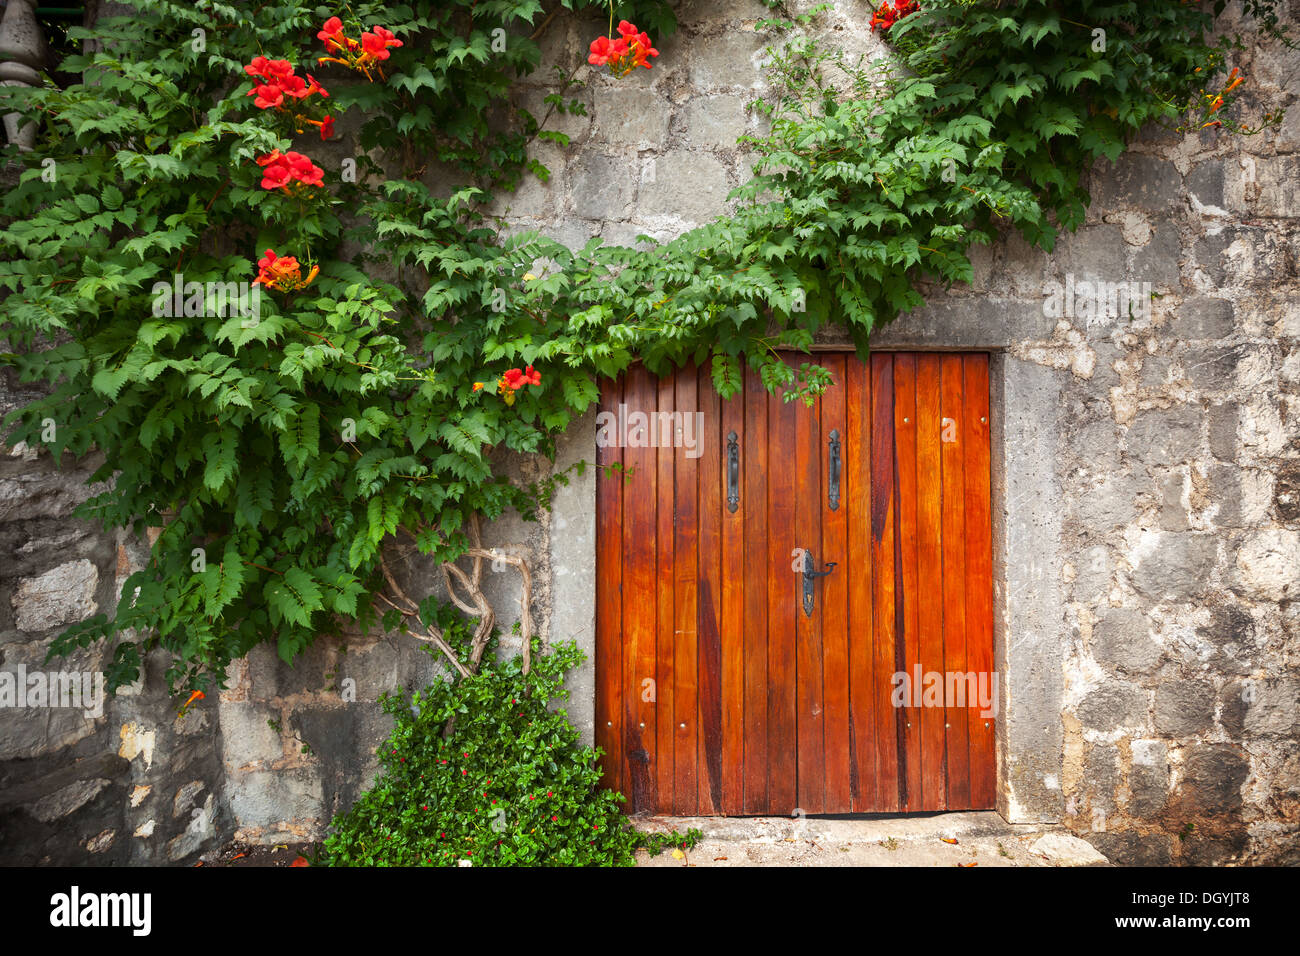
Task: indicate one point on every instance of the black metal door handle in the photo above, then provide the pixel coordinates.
(810, 579)
(833, 472)
(733, 472)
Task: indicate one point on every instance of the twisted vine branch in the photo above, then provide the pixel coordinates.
(470, 599)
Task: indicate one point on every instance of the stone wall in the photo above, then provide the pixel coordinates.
(1146, 504)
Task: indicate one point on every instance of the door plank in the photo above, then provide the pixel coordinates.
(979, 577)
(857, 504)
(685, 579)
(884, 501)
(639, 600)
(809, 495)
(954, 572)
(733, 614)
(709, 679)
(782, 607)
(665, 585)
(753, 510)
(907, 650)
(834, 597)
(609, 604)
(930, 576)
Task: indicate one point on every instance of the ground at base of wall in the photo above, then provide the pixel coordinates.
(977, 839)
(248, 854)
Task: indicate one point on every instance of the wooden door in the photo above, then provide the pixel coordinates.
(718, 692)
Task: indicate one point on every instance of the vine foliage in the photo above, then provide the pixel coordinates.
(280, 458)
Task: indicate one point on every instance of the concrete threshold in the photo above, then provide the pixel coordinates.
(980, 838)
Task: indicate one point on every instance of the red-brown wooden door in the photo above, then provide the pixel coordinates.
(716, 692)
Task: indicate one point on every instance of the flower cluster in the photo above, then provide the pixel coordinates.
(891, 13)
(279, 88)
(512, 381)
(282, 273)
(371, 49)
(622, 55)
(281, 170)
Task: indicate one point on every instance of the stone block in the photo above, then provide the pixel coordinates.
(1205, 182)
(62, 595)
(632, 116)
(1165, 436)
(1157, 261)
(689, 185)
(1173, 515)
(1134, 849)
(1286, 491)
(602, 188)
(728, 61)
(1268, 565)
(1177, 568)
(714, 122)
(246, 737)
(1272, 708)
(1148, 781)
(1143, 182)
(1210, 779)
(1121, 640)
(1205, 317)
(1113, 704)
(1184, 707)
(1223, 431)
(268, 798)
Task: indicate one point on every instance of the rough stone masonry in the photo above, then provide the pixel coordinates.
(1146, 506)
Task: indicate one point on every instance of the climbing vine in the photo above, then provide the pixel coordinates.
(350, 399)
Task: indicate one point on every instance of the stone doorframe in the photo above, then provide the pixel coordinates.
(1029, 626)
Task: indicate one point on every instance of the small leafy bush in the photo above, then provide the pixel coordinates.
(481, 769)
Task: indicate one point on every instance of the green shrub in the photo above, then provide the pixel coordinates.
(508, 785)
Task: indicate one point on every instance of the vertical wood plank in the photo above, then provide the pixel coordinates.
(834, 597)
(639, 600)
(979, 577)
(609, 605)
(758, 569)
(782, 607)
(712, 495)
(809, 498)
(954, 573)
(884, 562)
(930, 576)
(685, 582)
(664, 638)
(733, 613)
(909, 596)
(857, 504)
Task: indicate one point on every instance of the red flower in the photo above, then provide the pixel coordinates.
(284, 273)
(271, 70)
(603, 50)
(269, 95)
(375, 45)
(531, 377)
(327, 127)
(553, 819)
(887, 16)
(332, 35)
(622, 55)
(282, 168)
